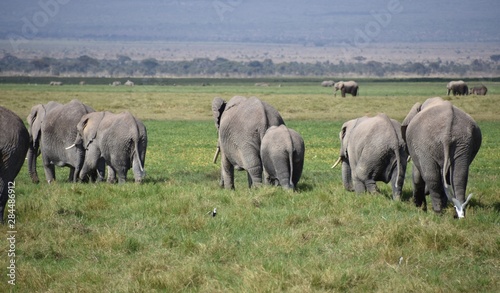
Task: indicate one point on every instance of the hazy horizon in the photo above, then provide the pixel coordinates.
(316, 23)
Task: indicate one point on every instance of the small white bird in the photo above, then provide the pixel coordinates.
(214, 213)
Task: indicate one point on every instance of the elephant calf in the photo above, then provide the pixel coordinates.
(119, 140)
(282, 152)
(478, 90)
(372, 149)
(14, 142)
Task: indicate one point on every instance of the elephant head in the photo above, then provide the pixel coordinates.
(86, 129)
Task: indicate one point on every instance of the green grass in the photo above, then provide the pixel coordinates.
(159, 236)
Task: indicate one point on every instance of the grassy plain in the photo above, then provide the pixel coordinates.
(159, 236)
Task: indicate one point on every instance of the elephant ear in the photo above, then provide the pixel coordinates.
(35, 119)
(414, 111)
(87, 128)
(218, 107)
(343, 135)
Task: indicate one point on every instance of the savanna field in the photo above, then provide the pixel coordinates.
(160, 236)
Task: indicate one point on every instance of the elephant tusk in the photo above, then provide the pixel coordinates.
(337, 162)
(217, 151)
(71, 146)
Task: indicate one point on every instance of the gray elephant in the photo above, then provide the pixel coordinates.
(14, 143)
(458, 87)
(349, 87)
(282, 152)
(52, 127)
(327, 83)
(372, 149)
(119, 140)
(241, 125)
(442, 141)
(478, 90)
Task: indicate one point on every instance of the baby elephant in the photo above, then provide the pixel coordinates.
(119, 140)
(282, 152)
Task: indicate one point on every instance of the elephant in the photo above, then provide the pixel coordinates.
(442, 141)
(282, 151)
(241, 123)
(478, 90)
(52, 127)
(129, 83)
(457, 88)
(14, 143)
(327, 83)
(119, 140)
(56, 83)
(372, 149)
(349, 87)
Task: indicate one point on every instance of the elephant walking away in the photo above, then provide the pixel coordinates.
(478, 90)
(459, 88)
(349, 87)
(282, 152)
(241, 123)
(442, 141)
(52, 128)
(14, 143)
(372, 149)
(119, 140)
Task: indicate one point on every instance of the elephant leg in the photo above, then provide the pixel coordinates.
(347, 176)
(121, 173)
(254, 176)
(227, 173)
(71, 175)
(111, 175)
(371, 186)
(359, 186)
(418, 189)
(50, 171)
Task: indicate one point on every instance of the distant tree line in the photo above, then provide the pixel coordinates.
(221, 67)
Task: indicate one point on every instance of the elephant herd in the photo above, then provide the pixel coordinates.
(440, 139)
(458, 87)
(71, 135)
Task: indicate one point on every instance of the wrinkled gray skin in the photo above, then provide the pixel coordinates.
(372, 149)
(52, 128)
(14, 143)
(241, 125)
(478, 90)
(119, 140)
(459, 88)
(442, 141)
(349, 87)
(282, 152)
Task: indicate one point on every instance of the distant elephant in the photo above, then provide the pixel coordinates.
(116, 83)
(129, 83)
(349, 87)
(282, 152)
(56, 83)
(327, 83)
(119, 140)
(457, 88)
(442, 141)
(53, 127)
(372, 149)
(14, 142)
(478, 90)
(241, 125)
